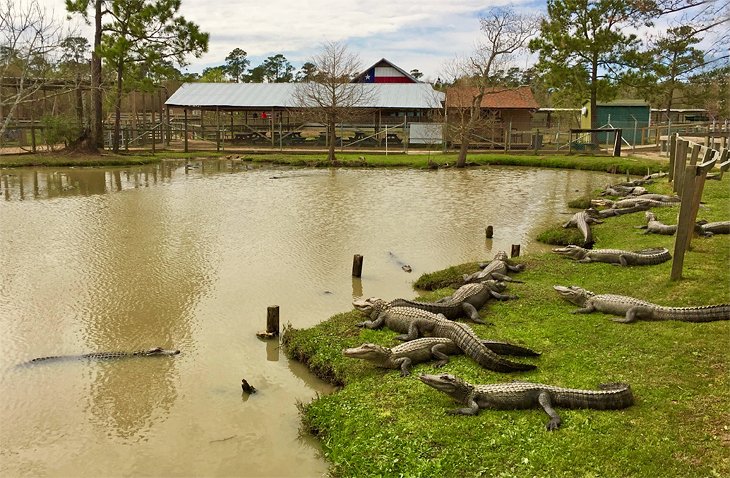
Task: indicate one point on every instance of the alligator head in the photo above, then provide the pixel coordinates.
(449, 384)
(367, 306)
(372, 352)
(159, 351)
(574, 294)
(571, 250)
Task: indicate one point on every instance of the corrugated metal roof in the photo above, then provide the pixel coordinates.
(281, 95)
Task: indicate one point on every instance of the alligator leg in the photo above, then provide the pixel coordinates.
(472, 312)
(633, 314)
(499, 296)
(505, 278)
(413, 333)
(437, 353)
(472, 408)
(546, 404)
(373, 324)
(404, 363)
(585, 310)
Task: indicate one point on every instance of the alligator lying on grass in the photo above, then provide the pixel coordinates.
(424, 349)
(708, 229)
(582, 220)
(497, 269)
(522, 395)
(604, 213)
(623, 190)
(464, 338)
(464, 302)
(648, 200)
(655, 227)
(631, 309)
(381, 314)
(644, 257)
(153, 352)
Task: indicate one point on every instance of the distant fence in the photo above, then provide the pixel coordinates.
(153, 132)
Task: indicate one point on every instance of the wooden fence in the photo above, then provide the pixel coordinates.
(688, 179)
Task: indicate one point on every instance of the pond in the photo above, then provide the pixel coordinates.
(189, 256)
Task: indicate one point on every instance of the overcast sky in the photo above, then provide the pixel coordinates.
(413, 34)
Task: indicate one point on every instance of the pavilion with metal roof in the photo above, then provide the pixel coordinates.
(268, 112)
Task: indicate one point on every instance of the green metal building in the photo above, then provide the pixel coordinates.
(632, 116)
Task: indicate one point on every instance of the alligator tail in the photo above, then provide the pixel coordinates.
(612, 396)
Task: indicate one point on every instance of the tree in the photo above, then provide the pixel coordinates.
(146, 33)
(139, 31)
(277, 69)
(330, 97)
(29, 40)
(416, 74)
(584, 49)
(236, 64)
(214, 74)
(504, 33)
(74, 63)
(307, 72)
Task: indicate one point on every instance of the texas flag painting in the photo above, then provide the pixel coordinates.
(385, 74)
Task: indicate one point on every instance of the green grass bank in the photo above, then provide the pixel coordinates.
(634, 165)
(379, 424)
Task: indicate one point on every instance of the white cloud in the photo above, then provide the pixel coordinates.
(423, 34)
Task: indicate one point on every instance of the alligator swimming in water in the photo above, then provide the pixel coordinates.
(631, 309)
(495, 270)
(522, 395)
(464, 338)
(153, 352)
(642, 257)
(421, 350)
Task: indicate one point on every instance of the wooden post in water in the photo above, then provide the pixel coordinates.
(490, 232)
(515, 250)
(272, 320)
(357, 265)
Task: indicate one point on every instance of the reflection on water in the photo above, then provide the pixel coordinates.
(190, 257)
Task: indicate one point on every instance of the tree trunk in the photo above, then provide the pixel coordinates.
(97, 127)
(463, 150)
(118, 109)
(332, 140)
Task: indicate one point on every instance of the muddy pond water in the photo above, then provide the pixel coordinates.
(190, 257)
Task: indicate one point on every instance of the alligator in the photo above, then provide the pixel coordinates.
(582, 220)
(464, 338)
(519, 395)
(464, 302)
(631, 309)
(650, 200)
(156, 351)
(421, 350)
(643, 257)
(610, 212)
(495, 270)
(655, 227)
(623, 190)
(708, 229)
(381, 313)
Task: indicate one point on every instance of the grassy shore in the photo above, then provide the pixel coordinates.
(379, 424)
(634, 165)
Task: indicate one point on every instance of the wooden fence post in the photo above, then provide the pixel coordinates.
(680, 161)
(672, 155)
(685, 226)
(357, 265)
(707, 164)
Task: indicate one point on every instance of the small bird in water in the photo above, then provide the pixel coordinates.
(247, 388)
